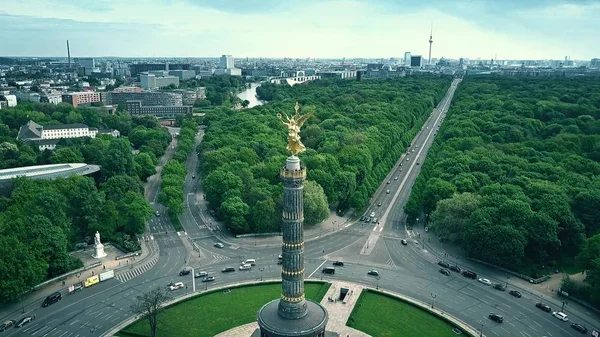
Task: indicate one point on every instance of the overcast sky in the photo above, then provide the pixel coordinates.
(510, 29)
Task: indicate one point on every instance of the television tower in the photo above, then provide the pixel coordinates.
(430, 42)
(69, 54)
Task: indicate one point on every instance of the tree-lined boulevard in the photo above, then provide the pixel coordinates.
(409, 269)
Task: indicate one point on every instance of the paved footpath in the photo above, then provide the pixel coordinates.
(338, 314)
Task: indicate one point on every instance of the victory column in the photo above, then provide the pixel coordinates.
(292, 314)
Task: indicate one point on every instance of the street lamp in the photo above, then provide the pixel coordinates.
(377, 278)
(481, 330)
(261, 270)
(433, 296)
(507, 277)
(564, 303)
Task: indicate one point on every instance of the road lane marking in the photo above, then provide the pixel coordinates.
(319, 267)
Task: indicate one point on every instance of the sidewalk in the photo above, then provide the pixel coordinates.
(33, 300)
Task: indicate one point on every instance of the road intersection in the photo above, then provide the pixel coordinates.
(409, 269)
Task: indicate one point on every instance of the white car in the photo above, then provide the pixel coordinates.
(485, 281)
(560, 315)
(245, 266)
(219, 245)
(176, 285)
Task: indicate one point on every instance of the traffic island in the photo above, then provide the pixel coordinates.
(379, 313)
(212, 312)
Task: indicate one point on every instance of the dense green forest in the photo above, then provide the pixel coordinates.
(357, 134)
(514, 174)
(42, 220)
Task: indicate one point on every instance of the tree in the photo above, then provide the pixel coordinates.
(435, 190)
(136, 211)
(66, 155)
(245, 103)
(315, 204)
(451, 217)
(263, 215)
(118, 159)
(235, 209)
(148, 306)
(117, 186)
(144, 165)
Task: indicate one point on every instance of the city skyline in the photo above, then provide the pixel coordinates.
(353, 29)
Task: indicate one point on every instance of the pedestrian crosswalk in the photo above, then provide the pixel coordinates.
(137, 271)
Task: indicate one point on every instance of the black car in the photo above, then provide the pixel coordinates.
(51, 299)
(185, 272)
(455, 268)
(338, 263)
(500, 286)
(208, 279)
(469, 274)
(445, 272)
(579, 328)
(362, 218)
(227, 270)
(515, 293)
(373, 272)
(543, 306)
(6, 325)
(444, 264)
(403, 242)
(496, 318)
(23, 321)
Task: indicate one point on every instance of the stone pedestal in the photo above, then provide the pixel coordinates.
(99, 251)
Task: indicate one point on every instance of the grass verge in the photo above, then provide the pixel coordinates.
(379, 315)
(214, 312)
(176, 223)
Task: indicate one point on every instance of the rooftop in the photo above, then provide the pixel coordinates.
(48, 171)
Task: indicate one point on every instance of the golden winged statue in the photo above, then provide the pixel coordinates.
(294, 123)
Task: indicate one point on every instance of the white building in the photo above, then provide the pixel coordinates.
(226, 62)
(227, 67)
(407, 58)
(152, 81)
(48, 136)
(11, 100)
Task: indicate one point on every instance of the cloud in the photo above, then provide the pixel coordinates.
(522, 29)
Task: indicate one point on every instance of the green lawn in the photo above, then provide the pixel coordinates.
(382, 316)
(213, 313)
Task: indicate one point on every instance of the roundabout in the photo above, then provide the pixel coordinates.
(230, 311)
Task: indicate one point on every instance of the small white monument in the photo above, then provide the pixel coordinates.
(98, 247)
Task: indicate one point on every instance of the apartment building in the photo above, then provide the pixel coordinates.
(84, 97)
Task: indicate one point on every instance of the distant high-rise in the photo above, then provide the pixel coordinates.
(416, 61)
(595, 63)
(430, 43)
(226, 62)
(407, 58)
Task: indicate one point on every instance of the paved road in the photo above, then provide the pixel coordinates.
(410, 269)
